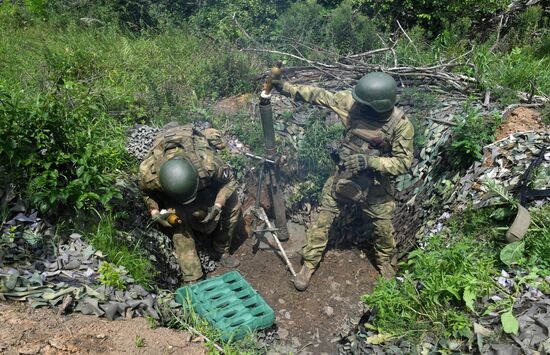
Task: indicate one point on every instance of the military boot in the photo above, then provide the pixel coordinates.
(229, 261)
(386, 270)
(301, 281)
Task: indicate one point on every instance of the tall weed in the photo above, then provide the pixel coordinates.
(473, 131)
(120, 253)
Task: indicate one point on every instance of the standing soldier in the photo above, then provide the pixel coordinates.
(378, 145)
(187, 189)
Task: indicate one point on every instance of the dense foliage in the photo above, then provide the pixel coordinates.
(443, 282)
(56, 149)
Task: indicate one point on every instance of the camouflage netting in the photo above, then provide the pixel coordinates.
(37, 267)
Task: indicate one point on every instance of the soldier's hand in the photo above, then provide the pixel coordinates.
(356, 163)
(213, 214)
(277, 84)
(161, 218)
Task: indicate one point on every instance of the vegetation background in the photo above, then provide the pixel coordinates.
(74, 75)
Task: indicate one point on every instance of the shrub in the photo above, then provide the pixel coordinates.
(314, 29)
(62, 150)
(111, 275)
(254, 16)
(302, 24)
(441, 282)
(351, 32)
(471, 134)
(528, 29)
(434, 15)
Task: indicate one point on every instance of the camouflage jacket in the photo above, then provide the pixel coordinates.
(215, 177)
(397, 131)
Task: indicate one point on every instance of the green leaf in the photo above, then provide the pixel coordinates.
(509, 323)
(469, 296)
(512, 253)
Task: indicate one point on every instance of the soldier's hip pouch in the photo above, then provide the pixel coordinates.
(349, 191)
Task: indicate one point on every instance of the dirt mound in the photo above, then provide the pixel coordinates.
(234, 104)
(40, 331)
(522, 119)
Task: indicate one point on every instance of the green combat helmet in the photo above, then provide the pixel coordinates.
(179, 179)
(376, 90)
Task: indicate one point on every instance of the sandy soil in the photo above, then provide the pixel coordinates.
(40, 331)
(519, 120)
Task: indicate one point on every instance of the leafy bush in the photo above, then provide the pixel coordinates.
(111, 275)
(255, 16)
(441, 282)
(528, 28)
(61, 150)
(471, 134)
(303, 23)
(351, 32)
(433, 15)
(314, 29)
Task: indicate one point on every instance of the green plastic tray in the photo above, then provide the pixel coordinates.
(229, 303)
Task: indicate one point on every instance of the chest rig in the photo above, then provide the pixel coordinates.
(367, 137)
(370, 137)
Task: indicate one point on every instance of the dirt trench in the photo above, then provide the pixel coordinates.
(311, 321)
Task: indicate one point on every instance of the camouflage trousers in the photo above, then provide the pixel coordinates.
(184, 239)
(379, 206)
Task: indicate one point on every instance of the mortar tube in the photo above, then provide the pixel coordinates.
(277, 196)
(266, 115)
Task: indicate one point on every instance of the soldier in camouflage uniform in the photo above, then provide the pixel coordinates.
(377, 146)
(183, 175)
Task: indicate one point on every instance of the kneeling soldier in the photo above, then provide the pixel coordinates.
(188, 188)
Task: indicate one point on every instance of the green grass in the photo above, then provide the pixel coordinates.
(443, 281)
(152, 76)
(121, 253)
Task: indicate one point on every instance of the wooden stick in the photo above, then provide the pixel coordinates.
(406, 35)
(263, 216)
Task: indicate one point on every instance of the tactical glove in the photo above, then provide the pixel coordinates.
(356, 163)
(213, 214)
(162, 218)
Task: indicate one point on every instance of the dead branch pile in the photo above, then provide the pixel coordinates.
(346, 70)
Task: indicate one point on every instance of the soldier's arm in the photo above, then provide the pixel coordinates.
(225, 178)
(402, 152)
(335, 101)
(151, 203)
(144, 176)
